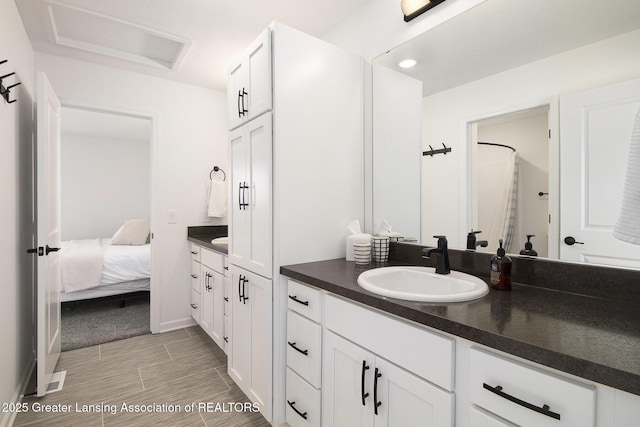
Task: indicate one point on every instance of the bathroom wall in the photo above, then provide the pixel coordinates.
(190, 138)
(16, 226)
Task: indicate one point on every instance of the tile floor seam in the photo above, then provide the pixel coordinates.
(141, 380)
(223, 380)
(203, 420)
(168, 352)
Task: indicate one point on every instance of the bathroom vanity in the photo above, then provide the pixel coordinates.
(532, 356)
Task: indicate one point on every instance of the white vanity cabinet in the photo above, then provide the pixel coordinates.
(249, 363)
(251, 196)
(227, 307)
(380, 371)
(207, 291)
(249, 82)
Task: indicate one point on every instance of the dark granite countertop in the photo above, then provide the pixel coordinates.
(202, 235)
(593, 338)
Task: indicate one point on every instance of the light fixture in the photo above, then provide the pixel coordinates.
(407, 63)
(414, 8)
(627, 228)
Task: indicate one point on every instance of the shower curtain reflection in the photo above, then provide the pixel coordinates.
(497, 173)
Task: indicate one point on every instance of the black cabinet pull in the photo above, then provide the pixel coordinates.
(295, 298)
(362, 393)
(194, 252)
(293, 345)
(226, 339)
(544, 410)
(194, 276)
(244, 295)
(244, 109)
(294, 408)
(239, 106)
(240, 204)
(226, 299)
(375, 391)
(240, 287)
(195, 307)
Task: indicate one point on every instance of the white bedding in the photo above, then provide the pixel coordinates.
(116, 263)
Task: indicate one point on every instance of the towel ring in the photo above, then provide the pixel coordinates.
(217, 169)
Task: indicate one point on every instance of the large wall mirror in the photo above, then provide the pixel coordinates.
(537, 104)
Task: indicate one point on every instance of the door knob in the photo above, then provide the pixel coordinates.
(569, 240)
(48, 249)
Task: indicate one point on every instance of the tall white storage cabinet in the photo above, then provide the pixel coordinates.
(297, 180)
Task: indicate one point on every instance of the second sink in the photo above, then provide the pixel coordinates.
(422, 284)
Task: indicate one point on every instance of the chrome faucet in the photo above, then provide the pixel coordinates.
(442, 262)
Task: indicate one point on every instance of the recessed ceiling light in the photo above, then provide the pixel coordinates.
(407, 63)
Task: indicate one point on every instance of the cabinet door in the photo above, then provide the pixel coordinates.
(206, 292)
(259, 147)
(347, 381)
(404, 399)
(250, 363)
(249, 91)
(217, 326)
(251, 196)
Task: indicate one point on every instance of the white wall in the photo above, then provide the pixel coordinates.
(105, 182)
(17, 229)
(191, 136)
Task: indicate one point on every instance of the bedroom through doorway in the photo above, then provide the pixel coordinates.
(105, 175)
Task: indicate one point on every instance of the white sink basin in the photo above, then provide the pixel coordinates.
(422, 284)
(220, 241)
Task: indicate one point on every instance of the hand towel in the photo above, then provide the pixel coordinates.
(217, 206)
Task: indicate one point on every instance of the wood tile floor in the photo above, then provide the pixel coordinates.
(171, 371)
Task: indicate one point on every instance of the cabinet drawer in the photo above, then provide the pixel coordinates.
(213, 260)
(304, 347)
(304, 300)
(527, 396)
(303, 402)
(431, 354)
(195, 252)
(195, 305)
(195, 276)
(481, 418)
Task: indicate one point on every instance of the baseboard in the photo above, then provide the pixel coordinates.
(9, 418)
(176, 324)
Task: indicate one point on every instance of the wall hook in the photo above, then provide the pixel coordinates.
(431, 151)
(5, 91)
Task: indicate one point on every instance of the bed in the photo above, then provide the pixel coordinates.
(94, 268)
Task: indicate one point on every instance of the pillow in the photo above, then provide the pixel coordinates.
(132, 232)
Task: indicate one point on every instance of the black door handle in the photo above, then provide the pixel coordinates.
(569, 240)
(48, 249)
(375, 391)
(244, 295)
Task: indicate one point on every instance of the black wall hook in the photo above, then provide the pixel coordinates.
(5, 91)
(431, 151)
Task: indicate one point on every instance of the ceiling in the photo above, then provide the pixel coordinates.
(191, 41)
(498, 35)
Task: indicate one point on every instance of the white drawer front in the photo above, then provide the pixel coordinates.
(304, 347)
(195, 276)
(305, 300)
(195, 305)
(213, 260)
(195, 252)
(481, 418)
(306, 401)
(422, 352)
(512, 391)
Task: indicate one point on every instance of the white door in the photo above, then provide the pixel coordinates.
(595, 136)
(48, 208)
(347, 383)
(407, 400)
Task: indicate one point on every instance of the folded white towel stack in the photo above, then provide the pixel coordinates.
(217, 206)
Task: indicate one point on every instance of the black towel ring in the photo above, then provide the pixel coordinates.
(217, 169)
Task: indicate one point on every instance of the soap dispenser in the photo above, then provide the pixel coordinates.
(528, 247)
(501, 270)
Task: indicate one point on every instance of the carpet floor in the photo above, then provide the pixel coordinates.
(91, 322)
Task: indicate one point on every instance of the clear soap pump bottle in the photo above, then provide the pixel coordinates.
(501, 270)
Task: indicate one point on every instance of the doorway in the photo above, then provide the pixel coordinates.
(511, 163)
(105, 183)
